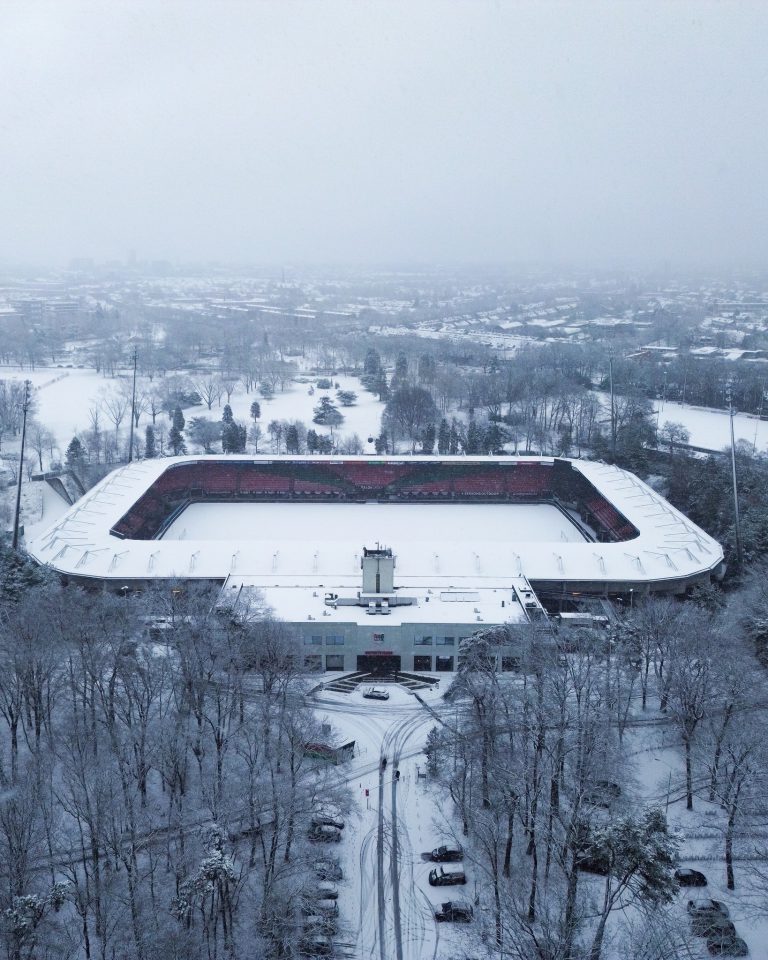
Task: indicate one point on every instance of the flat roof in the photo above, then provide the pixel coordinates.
(669, 548)
(433, 604)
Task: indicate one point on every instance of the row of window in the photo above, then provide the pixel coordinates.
(331, 641)
(338, 641)
(423, 664)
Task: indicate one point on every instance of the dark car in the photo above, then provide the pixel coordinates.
(316, 945)
(725, 946)
(602, 793)
(373, 694)
(447, 853)
(324, 890)
(446, 878)
(319, 924)
(707, 908)
(690, 878)
(712, 926)
(598, 865)
(328, 869)
(320, 833)
(456, 911)
(327, 818)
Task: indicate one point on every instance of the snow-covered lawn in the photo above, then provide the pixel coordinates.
(62, 398)
(711, 428)
(396, 523)
(296, 403)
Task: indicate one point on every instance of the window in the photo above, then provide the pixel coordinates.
(422, 641)
(378, 638)
(445, 641)
(334, 641)
(334, 661)
(313, 663)
(313, 641)
(444, 664)
(422, 663)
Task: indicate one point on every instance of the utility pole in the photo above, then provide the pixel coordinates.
(17, 513)
(737, 525)
(133, 406)
(613, 406)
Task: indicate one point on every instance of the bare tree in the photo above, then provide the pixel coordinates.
(115, 405)
(210, 389)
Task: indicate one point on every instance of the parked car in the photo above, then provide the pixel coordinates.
(318, 923)
(690, 878)
(448, 853)
(456, 911)
(602, 793)
(598, 865)
(324, 833)
(316, 945)
(712, 925)
(440, 877)
(373, 693)
(726, 946)
(328, 869)
(324, 908)
(327, 818)
(707, 908)
(324, 890)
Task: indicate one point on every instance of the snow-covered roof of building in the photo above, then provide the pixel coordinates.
(669, 547)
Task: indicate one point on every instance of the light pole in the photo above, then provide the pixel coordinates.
(669, 783)
(613, 406)
(17, 512)
(737, 525)
(133, 406)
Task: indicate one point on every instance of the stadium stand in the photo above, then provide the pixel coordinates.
(223, 480)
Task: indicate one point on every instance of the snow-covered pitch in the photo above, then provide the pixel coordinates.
(457, 521)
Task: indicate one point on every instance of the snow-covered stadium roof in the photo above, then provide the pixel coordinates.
(670, 550)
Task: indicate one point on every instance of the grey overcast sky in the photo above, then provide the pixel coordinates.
(376, 130)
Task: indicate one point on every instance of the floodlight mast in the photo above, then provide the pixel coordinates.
(17, 512)
(613, 406)
(737, 524)
(133, 406)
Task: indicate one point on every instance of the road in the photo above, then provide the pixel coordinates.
(396, 920)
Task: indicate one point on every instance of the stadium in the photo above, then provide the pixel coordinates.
(388, 562)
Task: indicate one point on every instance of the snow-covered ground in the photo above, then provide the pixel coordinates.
(711, 428)
(396, 729)
(391, 523)
(296, 403)
(659, 778)
(63, 398)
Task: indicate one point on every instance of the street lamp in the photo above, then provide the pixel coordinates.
(669, 783)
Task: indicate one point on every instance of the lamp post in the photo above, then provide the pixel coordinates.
(669, 783)
(133, 406)
(17, 512)
(737, 524)
(613, 406)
